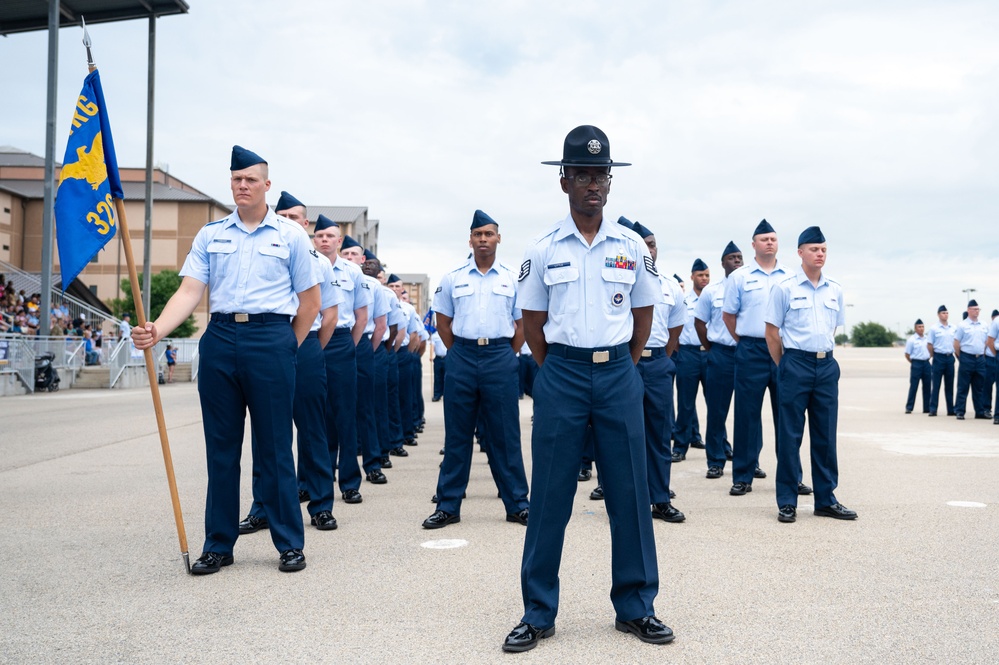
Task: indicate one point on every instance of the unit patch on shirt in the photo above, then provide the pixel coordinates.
(525, 270)
(618, 299)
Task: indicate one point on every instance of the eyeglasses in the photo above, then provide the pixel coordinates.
(583, 179)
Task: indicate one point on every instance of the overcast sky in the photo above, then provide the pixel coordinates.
(876, 121)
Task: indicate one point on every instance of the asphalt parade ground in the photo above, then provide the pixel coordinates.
(91, 571)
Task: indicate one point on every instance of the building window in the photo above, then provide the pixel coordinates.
(93, 289)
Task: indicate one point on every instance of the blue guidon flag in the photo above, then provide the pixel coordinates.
(428, 321)
(88, 183)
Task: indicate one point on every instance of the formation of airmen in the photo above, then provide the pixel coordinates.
(316, 334)
(931, 364)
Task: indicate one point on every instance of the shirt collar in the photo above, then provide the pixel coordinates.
(471, 267)
(754, 266)
(608, 229)
(270, 219)
(802, 279)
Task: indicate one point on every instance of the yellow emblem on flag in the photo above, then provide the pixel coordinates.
(89, 165)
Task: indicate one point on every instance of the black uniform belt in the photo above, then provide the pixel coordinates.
(345, 330)
(697, 347)
(820, 355)
(941, 353)
(972, 355)
(654, 352)
(313, 334)
(482, 341)
(238, 317)
(598, 355)
(755, 340)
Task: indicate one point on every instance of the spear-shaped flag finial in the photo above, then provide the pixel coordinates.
(87, 43)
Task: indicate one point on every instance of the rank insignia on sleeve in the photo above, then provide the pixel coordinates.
(438, 290)
(650, 265)
(314, 253)
(525, 270)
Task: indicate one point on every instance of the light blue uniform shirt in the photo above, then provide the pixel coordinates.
(993, 332)
(395, 317)
(971, 336)
(709, 310)
(439, 348)
(941, 338)
(349, 278)
(480, 305)
(330, 292)
(379, 305)
(915, 346)
(689, 335)
(588, 291)
(806, 315)
(670, 313)
(253, 273)
(746, 292)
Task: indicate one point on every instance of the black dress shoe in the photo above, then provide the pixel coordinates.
(759, 473)
(995, 421)
(984, 416)
(211, 562)
(677, 457)
(303, 496)
(933, 414)
(649, 629)
(584, 475)
(520, 517)
(787, 513)
(697, 444)
(667, 512)
(376, 477)
(525, 637)
(728, 451)
(352, 496)
(442, 451)
(714, 472)
(598, 493)
(960, 417)
(386, 462)
(837, 511)
(739, 489)
(440, 519)
(292, 560)
(399, 452)
(435, 399)
(252, 524)
(803, 489)
(908, 411)
(672, 494)
(952, 413)
(324, 520)
(410, 442)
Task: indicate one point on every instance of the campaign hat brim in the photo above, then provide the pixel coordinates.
(584, 164)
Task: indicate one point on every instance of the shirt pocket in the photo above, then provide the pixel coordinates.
(501, 302)
(563, 289)
(220, 258)
(617, 283)
(274, 261)
(754, 293)
(831, 311)
(799, 313)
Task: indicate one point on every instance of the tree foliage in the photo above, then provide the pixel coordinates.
(162, 287)
(871, 334)
(842, 339)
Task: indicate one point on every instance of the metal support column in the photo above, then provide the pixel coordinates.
(44, 327)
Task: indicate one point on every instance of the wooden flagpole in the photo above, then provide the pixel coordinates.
(154, 387)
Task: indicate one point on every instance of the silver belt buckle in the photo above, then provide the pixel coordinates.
(646, 353)
(601, 356)
(703, 349)
(482, 341)
(821, 354)
(241, 318)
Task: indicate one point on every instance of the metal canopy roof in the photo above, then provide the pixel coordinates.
(28, 15)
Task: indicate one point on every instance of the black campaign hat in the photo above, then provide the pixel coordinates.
(586, 145)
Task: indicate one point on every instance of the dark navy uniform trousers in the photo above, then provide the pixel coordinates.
(570, 393)
(971, 375)
(249, 366)
(528, 369)
(943, 372)
(481, 383)
(718, 395)
(919, 372)
(691, 372)
(807, 384)
(657, 372)
(367, 429)
(418, 406)
(406, 406)
(315, 471)
(341, 409)
(439, 371)
(381, 365)
(396, 437)
(755, 372)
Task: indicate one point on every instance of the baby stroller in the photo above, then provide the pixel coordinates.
(46, 376)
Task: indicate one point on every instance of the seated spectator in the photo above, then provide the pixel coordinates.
(91, 356)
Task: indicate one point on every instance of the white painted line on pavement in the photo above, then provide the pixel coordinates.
(966, 504)
(446, 544)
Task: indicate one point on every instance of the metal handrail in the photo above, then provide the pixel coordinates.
(20, 360)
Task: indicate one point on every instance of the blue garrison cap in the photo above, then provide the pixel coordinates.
(482, 219)
(324, 222)
(698, 266)
(972, 303)
(677, 278)
(811, 235)
(964, 315)
(393, 278)
(626, 223)
(287, 201)
(369, 255)
(730, 248)
(995, 313)
(244, 159)
(349, 242)
(763, 227)
(941, 308)
(919, 322)
(643, 231)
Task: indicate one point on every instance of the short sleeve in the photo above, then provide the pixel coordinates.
(702, 310)
(733, 295)
(909, 346)
(647, 290)
(330, 293)
(196, 264)
(776, 305)
(678, 312)
(304, 265)
(532, 294)
(443, 303)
